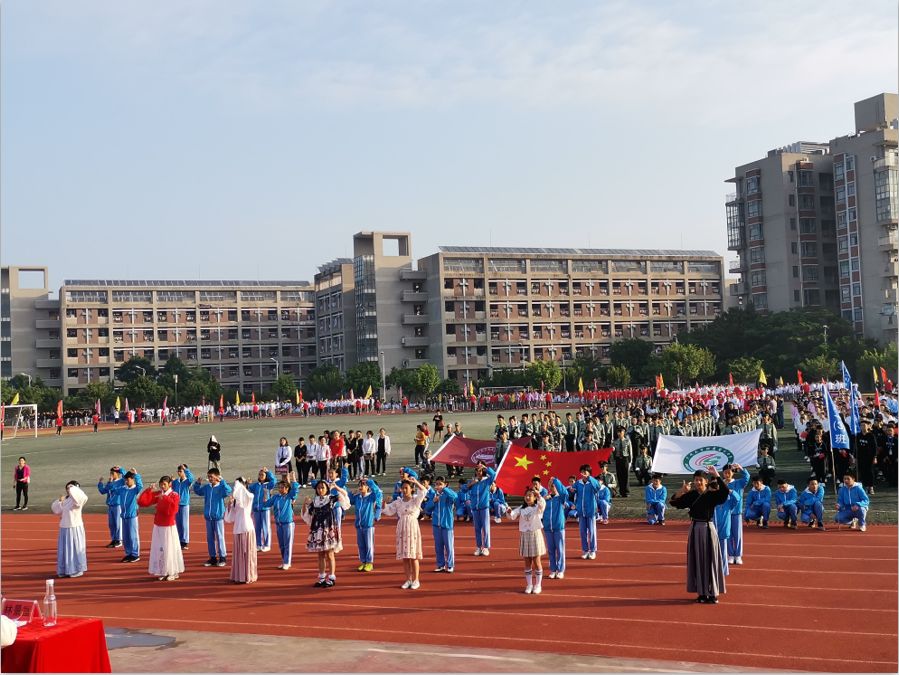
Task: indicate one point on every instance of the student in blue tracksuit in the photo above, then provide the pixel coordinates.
(571, 511)
(281, 504)
(785, 500)
(405, 472)
(498, 505)
(758, 503)
(554, 527)
(656, 496)
(127, 494)
(181, 485)
(586, 490)
(736, 484)
(367, 502)
(723, 523)
(214, 493)
(537, 486)
(463, 512)
(113, 505)
(441, 508)
(852, 503)
(603, 503)
(811, 504)
(262, 521)
(479, 500)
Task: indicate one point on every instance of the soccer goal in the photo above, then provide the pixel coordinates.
(21, 416)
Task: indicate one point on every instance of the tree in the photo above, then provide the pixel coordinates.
(325, 381)
(587, 367)
(143, 391)
(745, 369)
(633, 354)
(131, 369)
(876, 358)
(505, 377)
(363, 375)
(618, 376)
(680, 363)
(285, 387)
(404, 378)
(174, 366)
(427, 379)
(98, 389)
(545, 374)
(816, 367)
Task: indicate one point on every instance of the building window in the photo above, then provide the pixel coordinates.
(844, 268)
(809, 249)
(757, 254)
(791, 200)
(810, 272)
(756, 232)
(808, 226)
(760, 300)
(757, 278)
(754, 208)
(796, 295)
(796, 273)
(842, 244)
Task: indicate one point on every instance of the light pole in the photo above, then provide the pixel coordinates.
(175, 376)
(143, 371)
(383, 378)
(825, 334)
(277, 366)
(29, 378)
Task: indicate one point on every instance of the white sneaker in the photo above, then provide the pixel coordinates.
(862, 528)
(584, 556)
(450, 570)
(406, 585)
(497, 520)
(730, 560)
(738, 560)
(552, 575)
(485, 552)
(853, 524)
(477, 551)
(286, 567)
(592, 555)
(560, 575)
(265, 549)
(537, 590)
(529, 589)
(414, 586)
(281, 566)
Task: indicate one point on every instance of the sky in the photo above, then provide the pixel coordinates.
(249, 140)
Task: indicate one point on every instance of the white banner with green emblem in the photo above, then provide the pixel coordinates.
(686, 454)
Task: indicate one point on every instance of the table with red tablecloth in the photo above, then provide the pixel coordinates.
(71, 646)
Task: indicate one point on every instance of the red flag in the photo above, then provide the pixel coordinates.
(351, 393)
(799, 376)
(883, 375)
(469, 451)
(221, 402)
(301, 394)
(59, 408)
(97, 407)
(730, 379)
(165, 403)
(520, 465)
(876, 399)
(253, 397)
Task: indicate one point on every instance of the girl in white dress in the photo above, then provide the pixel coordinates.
(407, 508)
(240, 514)
(322, 515)
(531, 545)
(71, 548)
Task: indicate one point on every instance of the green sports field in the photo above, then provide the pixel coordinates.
(248, 445)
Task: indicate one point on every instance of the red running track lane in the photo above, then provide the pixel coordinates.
(804, 600)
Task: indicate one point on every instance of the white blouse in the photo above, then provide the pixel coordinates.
(70, 507)
(400, 507)
(241, 511)
(530, 518)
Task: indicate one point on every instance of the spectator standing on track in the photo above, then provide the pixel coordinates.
(71, 547)
(21, 481)
(705, 571)
(369, 449)
(214, 449)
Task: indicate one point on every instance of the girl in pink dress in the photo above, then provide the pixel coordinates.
(407, 508)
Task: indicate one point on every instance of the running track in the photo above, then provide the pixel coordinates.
(804, 600)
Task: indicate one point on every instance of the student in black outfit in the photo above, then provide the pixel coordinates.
(301, 456)
(705, 574)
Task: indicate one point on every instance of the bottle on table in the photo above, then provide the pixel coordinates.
(50, 605)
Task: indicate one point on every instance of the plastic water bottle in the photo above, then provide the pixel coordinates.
(50, 605)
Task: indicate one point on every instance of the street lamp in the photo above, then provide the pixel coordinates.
(825, 334)
(277, 366)
(29, 378)
(142, 370)
(383, 378)
(175, 376)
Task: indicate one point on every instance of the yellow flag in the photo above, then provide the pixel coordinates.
(368, 392)
(661, 381)
(237, 398)
(471, 388)
(580, 385)
(762, 378)
(780, 381)
(118, 404)
(298, 397)
(15, 399)
(874, 372)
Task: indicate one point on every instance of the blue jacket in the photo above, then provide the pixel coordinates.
(604, 494)
(554, 513)
(342, 481)
(737, 485)
(368, 508)
(723, 513)
(261, 491)
(785, 498)
(128, 496)
(396, 486)
(655, 496)
(757, 497)
(585, 497)
(282, 505)
(214, 506)
(479, 493)
(807, 499)
(443, 511)
(113, 498)
(462, 499)
(497, 497)
(854, 496)
(182, 487)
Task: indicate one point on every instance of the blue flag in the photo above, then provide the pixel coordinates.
(839, 439)
(854, 426)
(847, 381)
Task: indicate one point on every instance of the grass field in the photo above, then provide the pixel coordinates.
(249, 444)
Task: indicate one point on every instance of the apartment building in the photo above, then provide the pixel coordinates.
(815, 224)
(781, 223)
(245, 333)
(335, 313)
(496, 307)
(867, 206)
(29, 325)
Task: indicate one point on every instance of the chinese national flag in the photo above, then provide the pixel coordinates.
(883, 376)
(520, 465)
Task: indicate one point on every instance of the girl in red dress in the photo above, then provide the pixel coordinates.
(166, 560)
